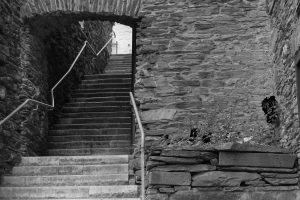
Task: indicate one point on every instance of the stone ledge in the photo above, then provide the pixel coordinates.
(236, 147)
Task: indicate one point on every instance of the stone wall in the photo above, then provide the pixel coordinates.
(199, 60)
(10, 81)
(34, 55)
(230, 171)
(285, 44)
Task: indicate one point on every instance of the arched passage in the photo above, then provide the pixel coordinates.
(129, 8)
(35, 32)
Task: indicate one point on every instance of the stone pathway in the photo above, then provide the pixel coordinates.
(88, 147)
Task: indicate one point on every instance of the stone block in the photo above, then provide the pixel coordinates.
(169, 178)
(257, 159)
(221, 195)
(151, 164)
(276, 175)
(182, 188)
(185, 168)
(219, 178)
(259, 169)
(166, 190)
(282, 181)
(158, 114)
(176, 160)
(188, 154)
(157, 197)
(236, 147)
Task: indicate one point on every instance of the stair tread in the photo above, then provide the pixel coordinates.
(89, 151)
(68, 160)
(69, 191)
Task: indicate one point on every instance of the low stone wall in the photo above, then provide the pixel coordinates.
(230, 171)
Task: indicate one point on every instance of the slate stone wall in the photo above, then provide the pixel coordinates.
(195, 56)
(230, 171)
(34, 55)
(284, 17)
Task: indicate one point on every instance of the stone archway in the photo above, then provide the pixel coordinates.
(129, 8)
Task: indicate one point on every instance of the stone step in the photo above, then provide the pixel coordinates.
(95, 120)
(107, 80)
(104, 131)
(73, 160)
(96, 114)
(99, 94)
(106, 76)
(105, 85)
(65, 180)
(76, 192)
(69, 138)
(96, 109)
(89, 144)
(101, 99)
(90, 151)
(98, 104)
(117, 71)
(70, 170)
(119, 66)
(91, 126)
(124, 89)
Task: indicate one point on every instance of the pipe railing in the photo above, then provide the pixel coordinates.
(86, 43)
(142, 145)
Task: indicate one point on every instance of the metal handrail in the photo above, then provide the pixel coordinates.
(142, 145)
(60, 80)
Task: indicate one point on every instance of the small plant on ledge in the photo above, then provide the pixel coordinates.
(219, 126)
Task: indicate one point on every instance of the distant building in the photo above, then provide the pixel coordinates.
(122, 44)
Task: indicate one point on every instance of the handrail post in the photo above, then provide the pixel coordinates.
(142, 145)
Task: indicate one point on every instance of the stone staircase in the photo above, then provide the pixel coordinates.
(88, 148)
(98, 118)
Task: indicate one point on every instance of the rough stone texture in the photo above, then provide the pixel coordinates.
(196, 53)
(259, 169)
(186, 168)
(35, 53)
(10, 82)
(285, 47)
(264, 195)
(169, 178)
(189, 154)
(115, 7)
(158, 115)
(245, 147)
(176, 160)
(226, 182)
(217, 178)
(282, 181)
(275, 175)
(257, 159)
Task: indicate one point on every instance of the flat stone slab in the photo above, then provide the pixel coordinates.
(158, 114)
(282, 181)
(221, 195)
(260, 169)
(185, 168)
(169, 178)
(245, 147)
(276, 175)
(257, 159)
(188, 154)
(219, 178)
(176, 160)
